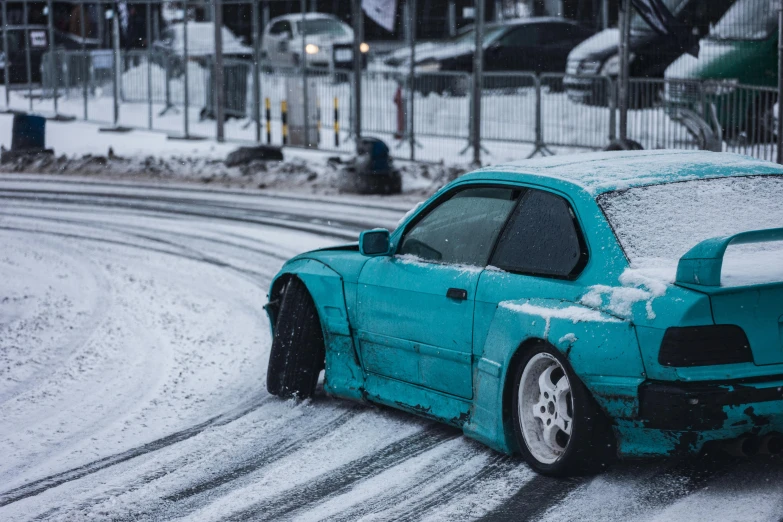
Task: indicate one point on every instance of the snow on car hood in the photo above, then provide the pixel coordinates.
(604, 44)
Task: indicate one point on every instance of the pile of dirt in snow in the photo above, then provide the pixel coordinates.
(293, 174)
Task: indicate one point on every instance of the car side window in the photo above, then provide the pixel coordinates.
(557, 34)
(542, 238)
(462, 229)
(280, 28)
(524, 36)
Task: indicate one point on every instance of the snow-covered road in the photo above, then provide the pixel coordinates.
(133, 352)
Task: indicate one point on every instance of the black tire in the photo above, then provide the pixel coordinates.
(591, 447)
(297, 355)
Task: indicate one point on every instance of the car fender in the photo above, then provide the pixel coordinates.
(344, 376)
(602, 350)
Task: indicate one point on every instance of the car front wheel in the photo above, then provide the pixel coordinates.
(559, 428)
(297, 355)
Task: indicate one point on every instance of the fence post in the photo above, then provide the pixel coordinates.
(84, 71)
(7, 71)
(625, 25)
(358, 36)
(217, 80)
(148, 8)
(780, 83)
(28, 60)
(186, 73)
(306, 108)
(478, 66)
(115, 25)
(256, 70)
(268, 115)
(52, 57)
(612, 92)
(411, 76)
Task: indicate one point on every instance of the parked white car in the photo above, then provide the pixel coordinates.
(328, 41)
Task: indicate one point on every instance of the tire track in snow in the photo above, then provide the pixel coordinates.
(334, 482)
(176, 504)
(271, 452)
(534, 498)
(39, 486)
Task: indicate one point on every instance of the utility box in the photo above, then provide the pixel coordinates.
(296, 112)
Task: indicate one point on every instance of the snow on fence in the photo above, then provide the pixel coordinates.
(521, 113)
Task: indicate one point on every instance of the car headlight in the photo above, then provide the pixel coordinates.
(612, 65)
(311, 49)
(429, 67)
(364, 47)
(589, 67)
(721, 88)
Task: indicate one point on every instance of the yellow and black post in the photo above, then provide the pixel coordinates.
(336, 122)
(284, 117)
(268, 116)
(318, 122)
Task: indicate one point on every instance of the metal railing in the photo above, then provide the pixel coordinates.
(523, 114)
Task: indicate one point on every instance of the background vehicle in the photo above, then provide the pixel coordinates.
(650, 52)
(329, 41)
(39, 45)
(530, 44)
(742, 49)
(201, 44)
(538, 308)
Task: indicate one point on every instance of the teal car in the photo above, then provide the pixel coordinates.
(570, 309)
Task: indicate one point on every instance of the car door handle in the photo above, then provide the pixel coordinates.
(457, 293)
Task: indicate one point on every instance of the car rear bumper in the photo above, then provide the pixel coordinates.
(698, 406)
(680, 417)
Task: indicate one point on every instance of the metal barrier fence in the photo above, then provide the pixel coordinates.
(522, 114)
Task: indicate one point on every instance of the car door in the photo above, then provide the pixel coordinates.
(539, 255)
(514, 51)
(278, 46)
(415, 308)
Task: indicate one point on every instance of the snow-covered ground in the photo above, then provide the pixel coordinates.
(133, 352)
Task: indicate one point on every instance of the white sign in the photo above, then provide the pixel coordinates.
(37, 38)
(382, 12)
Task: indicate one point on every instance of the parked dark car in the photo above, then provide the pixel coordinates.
(535, 45)
(651, 53)
(39, 46)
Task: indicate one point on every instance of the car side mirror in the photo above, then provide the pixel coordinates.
(373, 243)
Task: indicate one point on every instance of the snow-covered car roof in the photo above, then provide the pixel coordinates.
(602, 172)
(308, 16)
(201, 40)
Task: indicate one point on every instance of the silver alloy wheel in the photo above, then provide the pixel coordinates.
(545, 408)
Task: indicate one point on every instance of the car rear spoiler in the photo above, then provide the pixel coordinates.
(702, 264)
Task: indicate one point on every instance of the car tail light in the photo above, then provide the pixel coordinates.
(704, 346)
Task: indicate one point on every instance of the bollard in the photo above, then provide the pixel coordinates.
(284, 118)
(336, 122)
(318, 120)
(268, 116)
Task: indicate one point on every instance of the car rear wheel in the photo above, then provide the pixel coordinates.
(560, 429)
(297, 355)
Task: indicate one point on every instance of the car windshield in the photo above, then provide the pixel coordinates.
(747, 20)
(656, 225)
(638, 25)
(321, 26)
